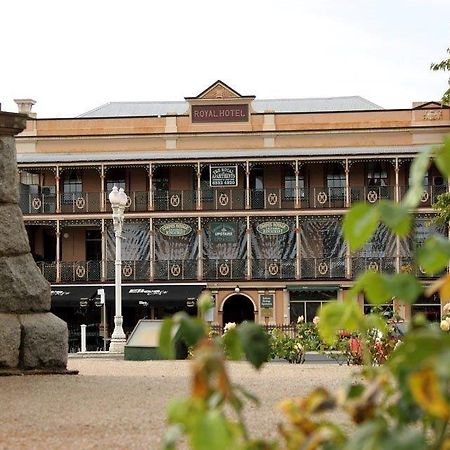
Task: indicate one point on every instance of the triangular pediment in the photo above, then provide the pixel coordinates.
(218, 91)
(430, 105)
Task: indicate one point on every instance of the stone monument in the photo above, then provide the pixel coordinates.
(31, 338)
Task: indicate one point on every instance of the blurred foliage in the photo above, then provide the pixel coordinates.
(402, 403)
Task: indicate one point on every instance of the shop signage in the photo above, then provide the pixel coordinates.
(220, 176)
(266, 301)
(219, 113)
(175, 229)
(223, 232)
(272, 228)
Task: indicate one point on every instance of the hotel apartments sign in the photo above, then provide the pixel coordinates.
(219, 113)
(221, 176)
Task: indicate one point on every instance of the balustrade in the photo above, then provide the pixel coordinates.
(216, 199)
(227, 269)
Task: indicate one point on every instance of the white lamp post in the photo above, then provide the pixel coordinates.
(118, 200)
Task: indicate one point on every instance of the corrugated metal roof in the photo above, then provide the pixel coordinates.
(217, 154)
(132, 109)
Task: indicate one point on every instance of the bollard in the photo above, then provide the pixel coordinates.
(83, 338)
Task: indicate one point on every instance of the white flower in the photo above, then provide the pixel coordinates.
(446, 309)
(229, 326)
(300, 319)
(445, 325)
(298, 347)
(316, 320)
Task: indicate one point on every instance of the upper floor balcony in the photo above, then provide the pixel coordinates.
(323, 268)
(222, 199)
(227, 187)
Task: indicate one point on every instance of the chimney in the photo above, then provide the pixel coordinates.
(25, 105)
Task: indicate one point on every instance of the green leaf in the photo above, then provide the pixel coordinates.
(336, 316)
(166, 343)
(375, 435)
(372, 321)
(443, 157)
(412, 198)
(179, 411)
(419, 168)
(396, 217)
(212, 432)
(191, 330)
(374, 287)
(403, 286)
(434, 255)
(232, 344)
(359, 224)
(205, 302)
(254, 342)
(171, 436)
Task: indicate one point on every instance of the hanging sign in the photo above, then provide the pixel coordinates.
(223, 232)
(175, 229)
(222, 176)
(266, 301)
(272, 228)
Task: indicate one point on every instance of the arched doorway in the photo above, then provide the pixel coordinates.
(238, 308)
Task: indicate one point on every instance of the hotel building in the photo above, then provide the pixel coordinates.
(228, 192)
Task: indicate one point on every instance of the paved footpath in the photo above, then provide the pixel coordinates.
(116, 404)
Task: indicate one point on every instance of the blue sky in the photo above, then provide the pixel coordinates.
(71, 56)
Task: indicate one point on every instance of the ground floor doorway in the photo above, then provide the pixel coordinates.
(237, 309)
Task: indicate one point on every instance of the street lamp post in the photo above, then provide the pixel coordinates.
(118, 200)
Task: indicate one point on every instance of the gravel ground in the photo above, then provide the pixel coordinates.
(118, 404)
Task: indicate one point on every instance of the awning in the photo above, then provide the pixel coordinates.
(309, 288)
(65, 295)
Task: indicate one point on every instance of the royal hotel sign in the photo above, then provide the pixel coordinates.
(219, 113)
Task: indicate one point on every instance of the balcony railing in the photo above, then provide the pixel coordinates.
(408, 265)
(377, 264)
(429, 194)
(175, 269)
(48, 269)
(135, 270)
(322, 197)
(317, 268)
(222, 199)
(272, 198)
(179, 200)
(372, 194)
(273, 268)
(38, 203)
(80, 271)
(224, 269)
(81, 202)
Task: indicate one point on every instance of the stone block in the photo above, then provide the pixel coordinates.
(44, 341)
(13, 236)
(22, 286)
(9, 186)
(9, 340)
